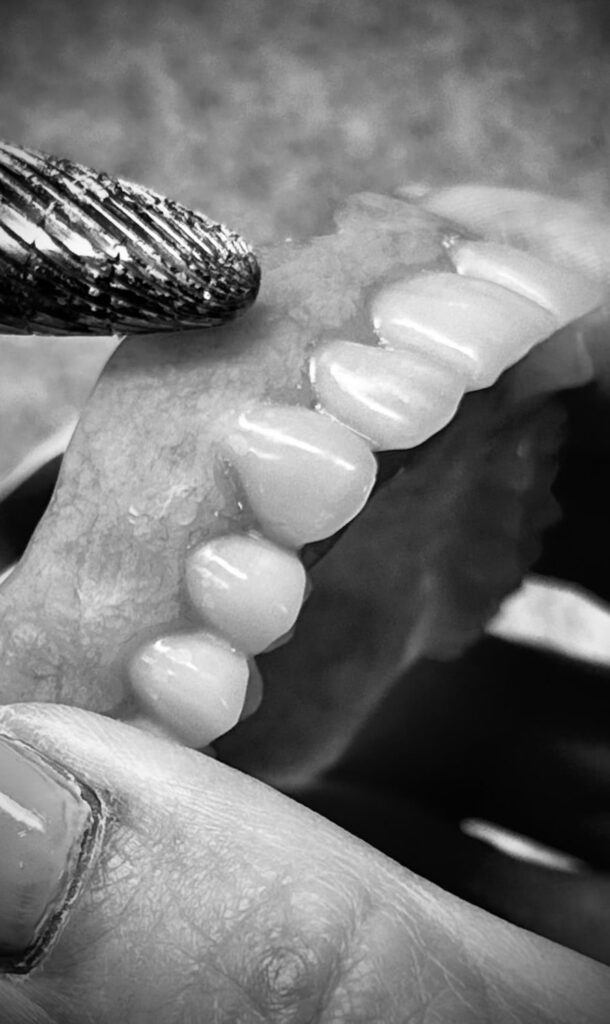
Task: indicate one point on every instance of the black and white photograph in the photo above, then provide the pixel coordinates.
(304, 535)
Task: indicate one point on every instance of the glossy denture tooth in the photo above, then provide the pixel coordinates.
(254, 691)
(395, 399)
(567, 294)
(489, 325)
(247, 588)
(192, 683)
(304, 476)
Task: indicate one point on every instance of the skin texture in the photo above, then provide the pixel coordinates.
(141, 484)
(214, 898)
(266, 117)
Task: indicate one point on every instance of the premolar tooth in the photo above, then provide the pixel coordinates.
(396, 399)
(565, 293)
(488, 324)
(192, 684)
(247, 588)
(304, 475)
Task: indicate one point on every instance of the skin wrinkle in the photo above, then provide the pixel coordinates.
(434, 42)
(89, 745)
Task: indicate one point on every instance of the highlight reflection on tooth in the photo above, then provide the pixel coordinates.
(192, 683)
(565, 293)
(396, 399)
(304, 475)
(247, 588)
(482, 321)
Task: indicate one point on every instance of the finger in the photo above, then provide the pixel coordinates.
(208, 896)
(557, 900)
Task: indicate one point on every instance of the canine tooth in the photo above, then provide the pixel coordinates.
(304, 475)
(395, 399)
(488, 324)
(247, 588)
(565, 293)
(192, 683)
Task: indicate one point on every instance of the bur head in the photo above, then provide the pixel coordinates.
(82, 252)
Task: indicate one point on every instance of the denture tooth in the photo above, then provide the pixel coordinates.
(566, 294)
(489, 325)
(193, 684)
(247, 588)
(254, 691)
(304, 476)
(395, 399)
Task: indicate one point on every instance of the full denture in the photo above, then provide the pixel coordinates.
(154, 472)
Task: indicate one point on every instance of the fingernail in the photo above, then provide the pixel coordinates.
(49, 823)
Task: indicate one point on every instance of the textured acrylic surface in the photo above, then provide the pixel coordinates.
(84, 253)
(140, 486)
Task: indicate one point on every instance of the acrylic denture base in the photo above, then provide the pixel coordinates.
(142, 515)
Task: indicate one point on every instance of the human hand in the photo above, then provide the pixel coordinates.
(395, 944)
(207, 896)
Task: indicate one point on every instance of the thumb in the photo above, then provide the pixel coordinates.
(199, 894)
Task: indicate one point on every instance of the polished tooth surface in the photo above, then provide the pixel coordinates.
(304, 476)
(395, 399)
(489, 325)
(567, 294)
(247, 588)
(192, 684)
(254, 691)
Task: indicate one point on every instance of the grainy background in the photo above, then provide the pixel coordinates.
(267, 112)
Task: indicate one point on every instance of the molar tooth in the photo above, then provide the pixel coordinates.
(191, 683)
(304, 475)
(247, 588)
(489, 325)
(395, 399)
(567, 294)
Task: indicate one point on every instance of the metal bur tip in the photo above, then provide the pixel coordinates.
(82, 252)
